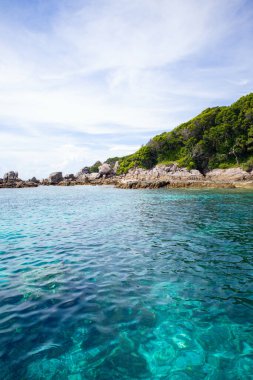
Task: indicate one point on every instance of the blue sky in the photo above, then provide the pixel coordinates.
(87, 80)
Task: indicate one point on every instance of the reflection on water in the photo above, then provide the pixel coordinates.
(101, 283)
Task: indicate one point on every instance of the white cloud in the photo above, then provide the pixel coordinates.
(146, 65)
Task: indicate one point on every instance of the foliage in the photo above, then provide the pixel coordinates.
(112, 161)
(95, 167)
(145, 157)
(218, 137)
(248, 165)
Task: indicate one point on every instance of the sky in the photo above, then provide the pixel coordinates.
(84, 80)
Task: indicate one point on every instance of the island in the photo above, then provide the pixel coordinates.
(214, 149)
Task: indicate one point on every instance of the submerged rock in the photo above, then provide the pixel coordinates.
(127, 363)
(46, 369)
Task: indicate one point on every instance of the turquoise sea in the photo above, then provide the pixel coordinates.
(102, 283)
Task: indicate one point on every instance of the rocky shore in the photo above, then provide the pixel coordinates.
(12, 180)
(176, 177)
(167, 176)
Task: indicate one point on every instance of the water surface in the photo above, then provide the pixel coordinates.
(102, 283)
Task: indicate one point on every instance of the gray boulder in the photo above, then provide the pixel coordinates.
(55, 178)
(70, 177)
(10, 176)
(34, 180)
(84, 170)
(93, 176)
(105, 169)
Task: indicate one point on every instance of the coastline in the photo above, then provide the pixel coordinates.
(185, 184)
(170, 176)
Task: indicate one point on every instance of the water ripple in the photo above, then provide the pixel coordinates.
(101, 283)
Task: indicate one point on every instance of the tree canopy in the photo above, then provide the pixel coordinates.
(219, 137)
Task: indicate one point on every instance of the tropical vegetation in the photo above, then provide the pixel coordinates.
(219, 137)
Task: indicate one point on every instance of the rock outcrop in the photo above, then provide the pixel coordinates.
(232, 174)
(17, 185)
(160, 176)
(70, 177)
(170, 172)
(105, 169)
(170, 176)
(11, 180)
(34, 179)
(174, 176)
(84, 170)
(10, 176)
(105, 175)
(173, 184)
(55, 178)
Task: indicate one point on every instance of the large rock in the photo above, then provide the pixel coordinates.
(21, 184)
(105, 169)
(10, 176)
(55, 178)
(33, 179)
(162, 172)
(232, 174)
(93, 176)
(45, 182)
(86, 178)
(83, 171)
(70, 177)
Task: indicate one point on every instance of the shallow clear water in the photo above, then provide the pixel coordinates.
(102, 283)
